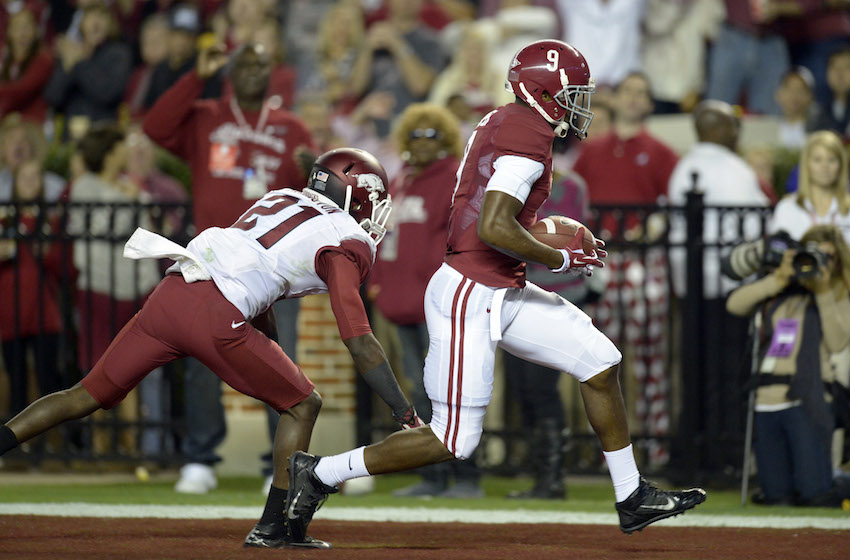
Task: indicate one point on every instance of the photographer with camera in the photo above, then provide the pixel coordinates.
(805, 303)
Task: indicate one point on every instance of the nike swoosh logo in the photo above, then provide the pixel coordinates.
(488, 310)
(349, 463)
(663, 507)
(290, 513)
(235, 325)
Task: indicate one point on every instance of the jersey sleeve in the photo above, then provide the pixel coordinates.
(514, 175)
(343, 269)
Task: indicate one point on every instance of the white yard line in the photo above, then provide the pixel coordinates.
(414, 515)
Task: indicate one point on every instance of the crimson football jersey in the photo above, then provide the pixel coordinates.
(513, 130)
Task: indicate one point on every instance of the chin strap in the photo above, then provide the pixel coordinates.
(562, 128)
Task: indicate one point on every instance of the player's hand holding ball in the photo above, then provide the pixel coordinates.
(581, 249)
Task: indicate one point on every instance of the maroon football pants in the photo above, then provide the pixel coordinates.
(180, 320)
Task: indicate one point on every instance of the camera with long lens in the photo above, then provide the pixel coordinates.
(766, 254)
(808, 261)
(757, 256)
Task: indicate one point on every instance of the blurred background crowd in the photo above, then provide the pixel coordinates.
(205, 105)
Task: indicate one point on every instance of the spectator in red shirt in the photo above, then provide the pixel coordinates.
(25, 68)
(627, 165)
(238, 148)
(29, 288)
(223, 138)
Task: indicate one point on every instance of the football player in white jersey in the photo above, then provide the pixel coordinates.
(215, 304)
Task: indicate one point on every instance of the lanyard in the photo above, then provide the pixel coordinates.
(240, 116)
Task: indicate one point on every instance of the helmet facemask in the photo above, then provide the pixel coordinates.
(574, 100)
(375, 225)
(379, 209)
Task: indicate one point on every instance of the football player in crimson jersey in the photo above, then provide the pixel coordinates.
(215, 304)
(479, 300)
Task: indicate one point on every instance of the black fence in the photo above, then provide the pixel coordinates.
(684, 372)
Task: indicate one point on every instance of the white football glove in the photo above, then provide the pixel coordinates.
(576, 260)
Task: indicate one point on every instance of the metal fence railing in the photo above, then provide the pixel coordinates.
(61, 264)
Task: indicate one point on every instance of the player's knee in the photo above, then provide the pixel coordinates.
(604, 379)
(77, 402)
(464, 447)
(310, 406)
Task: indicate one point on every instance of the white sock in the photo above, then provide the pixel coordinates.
(623, 470)
(335, 469)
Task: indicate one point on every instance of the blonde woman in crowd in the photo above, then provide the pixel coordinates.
(822, 196)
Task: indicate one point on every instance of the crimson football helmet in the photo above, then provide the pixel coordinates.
(553, 77)
(356, 182)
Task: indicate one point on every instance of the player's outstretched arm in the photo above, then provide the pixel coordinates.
(370, 361)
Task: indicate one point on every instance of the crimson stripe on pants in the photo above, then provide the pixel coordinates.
(452, 359)
(460, 365)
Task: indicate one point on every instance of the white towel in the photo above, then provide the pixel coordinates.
(144, 244)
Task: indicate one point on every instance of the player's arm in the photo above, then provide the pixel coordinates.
(507, 190)
(371, 362)
(499, 228)
(343, 279)
(744, 299)
(266, 323)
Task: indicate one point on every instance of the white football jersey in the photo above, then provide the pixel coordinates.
(270, 252)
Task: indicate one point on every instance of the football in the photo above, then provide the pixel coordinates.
(558, 231)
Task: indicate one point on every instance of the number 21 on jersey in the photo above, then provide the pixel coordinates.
(275, 229)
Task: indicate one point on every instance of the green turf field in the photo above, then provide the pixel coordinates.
(592, 495)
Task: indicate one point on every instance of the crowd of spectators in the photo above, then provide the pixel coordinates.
(93, 92)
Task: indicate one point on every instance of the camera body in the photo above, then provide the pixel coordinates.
(765, 254)
(808, 261)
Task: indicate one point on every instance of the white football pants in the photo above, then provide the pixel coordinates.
(467, 321)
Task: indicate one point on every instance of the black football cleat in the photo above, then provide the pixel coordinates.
(649, 504)
(306, 495)
(309, 542)
(274, 535)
